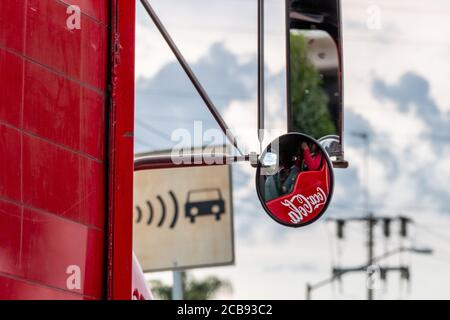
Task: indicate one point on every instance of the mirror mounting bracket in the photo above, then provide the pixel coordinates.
(190, 160)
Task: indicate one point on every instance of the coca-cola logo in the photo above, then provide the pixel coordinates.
(302, 206)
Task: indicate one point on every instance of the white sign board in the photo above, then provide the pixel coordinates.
(183, 218)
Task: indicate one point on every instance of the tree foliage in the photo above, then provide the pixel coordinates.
(193, 289)
(161, 290)
(308, 98)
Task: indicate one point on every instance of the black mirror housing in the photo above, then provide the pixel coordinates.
(315, 72)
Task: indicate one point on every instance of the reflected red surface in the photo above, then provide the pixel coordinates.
(121, 157)
(307, 200)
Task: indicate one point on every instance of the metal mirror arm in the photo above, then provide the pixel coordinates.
(192, 77)
(192, 160)
(340, 164)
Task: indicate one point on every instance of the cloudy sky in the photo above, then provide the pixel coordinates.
(396, 90)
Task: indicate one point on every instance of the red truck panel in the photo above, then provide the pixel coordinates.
(54, 151)
(121, 153)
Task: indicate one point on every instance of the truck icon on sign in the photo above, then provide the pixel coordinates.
(204, 202)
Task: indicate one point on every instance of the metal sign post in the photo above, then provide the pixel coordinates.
(177, 288)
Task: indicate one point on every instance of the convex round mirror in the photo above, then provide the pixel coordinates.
(294, 180)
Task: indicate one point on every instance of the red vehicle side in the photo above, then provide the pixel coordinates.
(66, 149)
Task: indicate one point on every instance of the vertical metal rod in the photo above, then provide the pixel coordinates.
(191, 75)
(370, 218)
(366, 169)
(261, 77)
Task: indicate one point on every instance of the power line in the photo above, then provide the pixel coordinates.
(442, 260)
(153, 130)
(391, 207)
(373, 263)
(434, 233)
(370, 221)
(178, 118)
(143, 142)
(434, 136)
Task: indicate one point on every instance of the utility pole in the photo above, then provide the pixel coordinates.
(371, 266)
(370, 249)
(371, 221)
(308, 291)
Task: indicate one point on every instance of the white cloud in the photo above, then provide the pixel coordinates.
(409, 172)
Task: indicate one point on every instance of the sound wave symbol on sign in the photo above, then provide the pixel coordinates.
(162, 219)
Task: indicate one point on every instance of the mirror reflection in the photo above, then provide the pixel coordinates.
(295, 180)
(314, 67)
